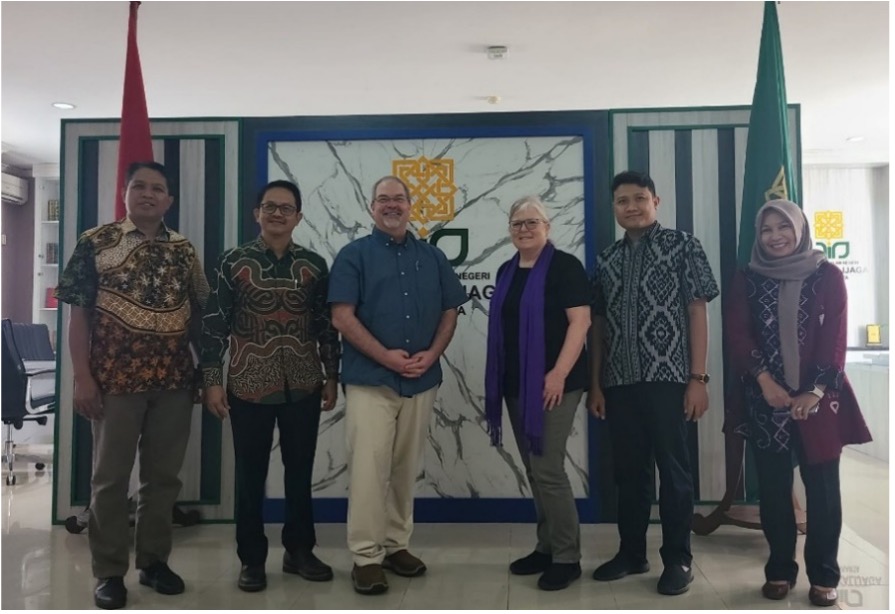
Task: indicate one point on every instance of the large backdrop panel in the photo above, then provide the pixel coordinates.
(464, 172)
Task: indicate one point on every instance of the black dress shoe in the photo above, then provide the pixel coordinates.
(536, 562)
(307, 565)
(252, 578)
(675, 580)
(110, 593)
(619, 567)
(559, 576)
(160, 577)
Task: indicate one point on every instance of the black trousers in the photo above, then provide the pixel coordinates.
(778, 521)
(253, 426)
(647, 421)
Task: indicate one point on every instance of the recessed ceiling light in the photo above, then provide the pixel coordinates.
(855, 139)
(493, 99)
(64, 105)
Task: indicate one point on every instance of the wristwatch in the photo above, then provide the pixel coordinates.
(702, 378)
(817, 392)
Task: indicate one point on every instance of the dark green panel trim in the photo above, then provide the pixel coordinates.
(88, 184)
(172, 168)
(88, 210)
(638, 151)
(175, 120)
(210, 442)
(683, 180)
(641, 111)
(160, 137)
(56, 422)
(651, 128)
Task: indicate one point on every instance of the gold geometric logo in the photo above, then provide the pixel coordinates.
(778, 189)
(432, 189)
(829, 225)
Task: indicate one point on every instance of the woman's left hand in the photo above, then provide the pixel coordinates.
(802, 405)
(554, 384)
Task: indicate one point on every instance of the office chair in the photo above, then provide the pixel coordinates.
(26, 395)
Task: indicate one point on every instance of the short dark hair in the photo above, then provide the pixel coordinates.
(390, 178)
(154, 166)
(280, 183)
(633, 177)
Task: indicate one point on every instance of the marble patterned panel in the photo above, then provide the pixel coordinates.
(489, 175)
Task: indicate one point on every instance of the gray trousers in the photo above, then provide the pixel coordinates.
(559, 533)
(158, 424)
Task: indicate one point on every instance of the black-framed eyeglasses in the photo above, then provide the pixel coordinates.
(271, 208)
(530, 224)
(400, 199)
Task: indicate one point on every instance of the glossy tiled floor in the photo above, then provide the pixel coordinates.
(45, 567)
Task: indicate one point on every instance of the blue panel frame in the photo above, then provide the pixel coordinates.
(591, 126)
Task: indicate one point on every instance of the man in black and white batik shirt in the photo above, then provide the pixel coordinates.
(649, 346)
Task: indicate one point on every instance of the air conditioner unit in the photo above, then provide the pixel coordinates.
(14, 190)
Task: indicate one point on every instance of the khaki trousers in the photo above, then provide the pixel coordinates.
(385, 434)
(158, 425)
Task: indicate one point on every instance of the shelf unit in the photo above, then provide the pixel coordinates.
(47, 255)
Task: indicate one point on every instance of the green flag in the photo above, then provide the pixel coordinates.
(769, 169)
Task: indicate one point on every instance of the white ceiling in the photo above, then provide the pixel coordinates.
(333, 58)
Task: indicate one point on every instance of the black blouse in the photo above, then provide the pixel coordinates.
(567, 286)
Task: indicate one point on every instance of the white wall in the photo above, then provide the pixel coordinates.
(861, 194)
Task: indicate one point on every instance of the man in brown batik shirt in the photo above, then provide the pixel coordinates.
(134, 287)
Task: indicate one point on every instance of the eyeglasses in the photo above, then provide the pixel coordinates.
(400, 199)
(529, 224)
(271, 208)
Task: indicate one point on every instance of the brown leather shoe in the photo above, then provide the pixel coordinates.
(823, 596)
(369, 580)
(776, 590)
(404, 564)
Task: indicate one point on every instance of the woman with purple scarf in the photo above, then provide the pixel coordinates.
(539, 318)
(786, 327)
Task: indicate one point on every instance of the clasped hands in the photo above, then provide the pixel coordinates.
(800, 407)
(407, 365)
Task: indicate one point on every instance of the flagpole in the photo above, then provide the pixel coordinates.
(768, 175)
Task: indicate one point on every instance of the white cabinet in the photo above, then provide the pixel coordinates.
(47, 254)
(869, 376)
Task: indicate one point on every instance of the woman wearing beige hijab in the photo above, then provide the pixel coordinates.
(785, 322)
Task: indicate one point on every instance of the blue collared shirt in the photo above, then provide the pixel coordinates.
(400, 291)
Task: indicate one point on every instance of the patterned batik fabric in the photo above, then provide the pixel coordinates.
(143, 293)
(273, 316)
(643, 291)
(766, 427)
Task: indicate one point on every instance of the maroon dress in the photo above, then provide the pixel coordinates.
(752, 333)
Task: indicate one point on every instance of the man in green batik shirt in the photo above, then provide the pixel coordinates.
(268, 306)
